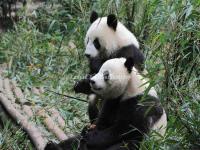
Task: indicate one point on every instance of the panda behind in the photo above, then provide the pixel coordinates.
(105, 39)
(108, 38)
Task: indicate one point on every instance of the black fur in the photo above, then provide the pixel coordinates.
(107, 113)
(95, 64)
(112, 21)
(97, 44)
(83, 86)
(129, 64)
(106, 76)
(133, 52)
(93, 17)
(70, 144)
(126, 120)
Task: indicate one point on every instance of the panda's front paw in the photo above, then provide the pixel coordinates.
(52, 146)
(90, 137)
(82, 86)
(94, 138)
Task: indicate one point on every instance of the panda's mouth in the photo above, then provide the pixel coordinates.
(96, 88)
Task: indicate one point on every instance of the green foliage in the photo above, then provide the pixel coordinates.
(40, 53)
(11, 136)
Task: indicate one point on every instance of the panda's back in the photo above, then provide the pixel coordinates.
(131, 51)
(142, 112)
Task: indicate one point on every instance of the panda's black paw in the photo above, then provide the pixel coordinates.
(93, 138)
(99, 138)
(84, 131)
(52, 146)
(82, 86)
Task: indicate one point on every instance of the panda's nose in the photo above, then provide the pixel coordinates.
(87, 55)
(92, 82)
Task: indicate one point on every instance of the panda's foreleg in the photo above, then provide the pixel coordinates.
(121, 125)
(102, 138)
(97, 139)
(107, 114)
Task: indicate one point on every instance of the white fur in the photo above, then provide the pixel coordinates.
(91, 50)
(110, 39)
(92, 98)
(137, 85)
(161, 125)
(121, 81)
(119, 78)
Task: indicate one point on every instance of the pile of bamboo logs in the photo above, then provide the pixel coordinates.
(13, 100)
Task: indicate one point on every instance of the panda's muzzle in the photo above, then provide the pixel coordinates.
(96, 89)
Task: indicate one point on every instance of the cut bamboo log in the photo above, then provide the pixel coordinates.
(52, 126)
(8, 90)
(1, 84)
(38, 140)
(35, 91)
(18, 93)
(57, 117)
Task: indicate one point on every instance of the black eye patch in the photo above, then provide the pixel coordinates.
(106, 76)
(96, 43)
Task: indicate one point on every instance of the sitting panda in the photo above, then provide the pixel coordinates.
(127, 112)
(106, 38)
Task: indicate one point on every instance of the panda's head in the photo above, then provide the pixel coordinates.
(106, 35)
(113, 77)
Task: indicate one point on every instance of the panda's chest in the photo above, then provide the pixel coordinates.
(95, 64)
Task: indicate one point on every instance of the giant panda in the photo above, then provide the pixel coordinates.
(105, 39)
(127, 113)
(108, 38)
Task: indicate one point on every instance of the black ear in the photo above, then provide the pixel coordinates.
(112, 21)
(93, 17)
(129, 64)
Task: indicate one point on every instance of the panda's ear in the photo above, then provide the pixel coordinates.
(129, 63)
(112, 21)
(94, 16)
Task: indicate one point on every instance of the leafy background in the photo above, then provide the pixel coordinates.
(46, 49)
